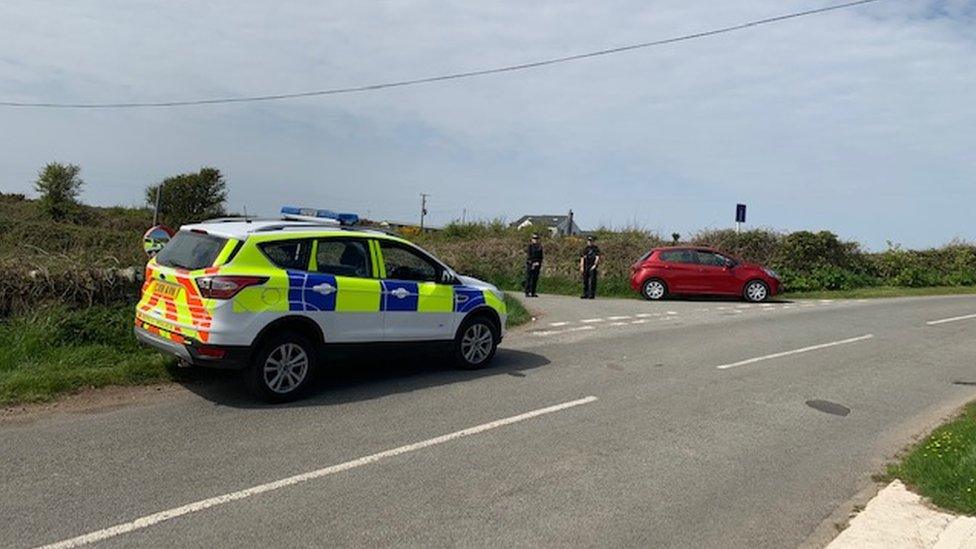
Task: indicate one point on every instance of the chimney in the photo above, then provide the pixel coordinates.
(569, 228)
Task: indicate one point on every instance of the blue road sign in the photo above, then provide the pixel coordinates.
(740, 213)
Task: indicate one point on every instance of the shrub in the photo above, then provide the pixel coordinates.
(59, 185)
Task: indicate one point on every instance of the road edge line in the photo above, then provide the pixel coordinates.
(162, 516)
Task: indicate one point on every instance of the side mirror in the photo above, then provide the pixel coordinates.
(729, 264)
(447, 277)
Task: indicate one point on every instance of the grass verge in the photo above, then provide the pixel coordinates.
(55, 351)
(943, 467)
(882, 291)
(517, 313)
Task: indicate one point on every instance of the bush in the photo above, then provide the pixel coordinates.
(59, 185)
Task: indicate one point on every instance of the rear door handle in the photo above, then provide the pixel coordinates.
(400, 293)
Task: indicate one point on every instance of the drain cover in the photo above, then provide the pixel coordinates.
(828, 407)
(964, 382)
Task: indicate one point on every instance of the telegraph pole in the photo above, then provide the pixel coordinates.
(423, 209)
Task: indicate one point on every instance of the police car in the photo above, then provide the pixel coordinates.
(269, 296)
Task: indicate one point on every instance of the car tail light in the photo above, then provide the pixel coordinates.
(226, 287)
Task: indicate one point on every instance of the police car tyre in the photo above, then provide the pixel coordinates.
(475, 343)
(654, 289)
(283, 368)
(756, 291)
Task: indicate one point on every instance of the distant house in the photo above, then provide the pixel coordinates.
(558, 225)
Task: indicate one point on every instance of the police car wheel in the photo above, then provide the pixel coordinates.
(476, 343)
(282, 369)
(756, 291)
(654, 290)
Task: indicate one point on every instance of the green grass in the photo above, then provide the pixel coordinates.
(882, 291)
(56, 351)
(943, 467)
(517, 313)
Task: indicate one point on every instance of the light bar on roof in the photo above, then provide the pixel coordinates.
(341, 218)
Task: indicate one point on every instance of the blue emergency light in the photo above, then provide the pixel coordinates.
(342, 218)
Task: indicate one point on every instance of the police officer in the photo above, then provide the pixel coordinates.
(589, 260)
(533, 264)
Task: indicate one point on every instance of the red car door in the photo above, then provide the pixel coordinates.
(714, 274)
(681, 270)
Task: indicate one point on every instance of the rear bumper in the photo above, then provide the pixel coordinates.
(231, 357)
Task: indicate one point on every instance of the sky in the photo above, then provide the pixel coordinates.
(860, 121)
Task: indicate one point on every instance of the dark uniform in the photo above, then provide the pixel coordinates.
(589, 260)
(533, 264)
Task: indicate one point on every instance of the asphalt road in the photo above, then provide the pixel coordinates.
(672, 451)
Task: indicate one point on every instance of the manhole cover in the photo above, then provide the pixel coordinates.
(828, 407)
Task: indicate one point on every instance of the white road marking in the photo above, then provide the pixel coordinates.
(766, 305)
(566, 331)
(672, 312)
(639, 321)
(557, 324)
(645, 315)
(796, 352)
(948, 320)
(787, 306)
(625, 317)
(162, 516)
(592, 320)
(723, 308)
(618, 324)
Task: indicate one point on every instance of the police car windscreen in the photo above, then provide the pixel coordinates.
(191, 251)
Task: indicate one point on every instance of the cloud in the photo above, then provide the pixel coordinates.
(857, 121)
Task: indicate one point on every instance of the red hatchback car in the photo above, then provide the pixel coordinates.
(669, 271)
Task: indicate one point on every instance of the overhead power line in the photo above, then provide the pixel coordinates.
(430, 79)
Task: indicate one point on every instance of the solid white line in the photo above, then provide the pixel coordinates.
(556, 324)
(796, 352)
(947, 320)
(591, 320)
(162, 516)
(625, 317)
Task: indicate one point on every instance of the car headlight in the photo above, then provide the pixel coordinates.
(771, 273)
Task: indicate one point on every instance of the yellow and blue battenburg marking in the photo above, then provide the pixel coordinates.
(324, 292)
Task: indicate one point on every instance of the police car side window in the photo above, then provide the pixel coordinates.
(287, 254)
(402, 263)
(343, 257)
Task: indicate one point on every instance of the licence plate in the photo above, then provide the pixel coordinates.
(167, 289)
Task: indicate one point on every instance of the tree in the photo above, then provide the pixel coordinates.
(59, 185)
(190, 197)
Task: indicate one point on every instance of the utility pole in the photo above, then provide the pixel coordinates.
(156, 209)
(423, 209)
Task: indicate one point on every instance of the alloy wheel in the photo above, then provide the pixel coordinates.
(285, 368)
(476, 343)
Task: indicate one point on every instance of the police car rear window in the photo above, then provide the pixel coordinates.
(190, 250)
(288, 254)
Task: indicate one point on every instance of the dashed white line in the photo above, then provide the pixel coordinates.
(646, 315)
(566, 331)
(592, 320)
(639, 321)
(796, 352)
(162, 516)
(672, 312)
(617, 324)
(557, 324)
(948, 320)
(625, 317)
